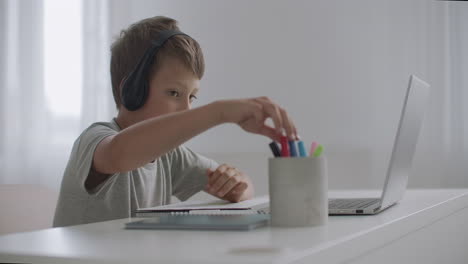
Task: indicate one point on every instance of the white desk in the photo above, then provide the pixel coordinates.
(427, 226)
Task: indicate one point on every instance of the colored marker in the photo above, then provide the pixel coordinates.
(313, 147)
(292, 148)
(284, 146)
(302, 150)
(318, 151)
(275, 149)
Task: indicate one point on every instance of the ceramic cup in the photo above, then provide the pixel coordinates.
(298, 191)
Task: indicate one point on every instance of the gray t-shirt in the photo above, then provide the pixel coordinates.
(180, 172)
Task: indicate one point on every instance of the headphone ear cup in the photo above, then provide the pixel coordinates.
(134, 91)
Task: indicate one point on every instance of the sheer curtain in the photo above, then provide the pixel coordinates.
(54, 82)
(456, 117)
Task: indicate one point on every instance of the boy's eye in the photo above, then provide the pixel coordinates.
(174, 93)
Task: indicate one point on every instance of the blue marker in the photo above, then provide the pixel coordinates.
(302, 150)
(292, 148)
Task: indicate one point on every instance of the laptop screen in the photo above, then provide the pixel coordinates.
(412, 114)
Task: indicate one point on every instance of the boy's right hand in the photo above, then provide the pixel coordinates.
(251, 114)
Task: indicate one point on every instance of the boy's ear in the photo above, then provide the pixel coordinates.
(121, 85)
(122, 82)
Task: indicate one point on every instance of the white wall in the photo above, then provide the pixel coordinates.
(340, 68)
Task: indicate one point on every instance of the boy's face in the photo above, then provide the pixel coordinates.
(172, 89)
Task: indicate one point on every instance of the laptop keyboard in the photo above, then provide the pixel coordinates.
(357, 203)
(351, 203)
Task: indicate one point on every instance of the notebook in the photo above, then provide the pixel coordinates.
(212, 207)
(201, 222)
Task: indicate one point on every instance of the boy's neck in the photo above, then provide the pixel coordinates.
(124, 120)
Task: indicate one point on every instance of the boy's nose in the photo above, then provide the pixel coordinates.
(185, 105)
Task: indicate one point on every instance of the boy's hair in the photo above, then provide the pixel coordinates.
(132, 43)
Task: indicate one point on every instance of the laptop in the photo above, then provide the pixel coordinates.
(404, 146)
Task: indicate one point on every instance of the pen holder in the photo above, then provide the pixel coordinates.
(298, 191)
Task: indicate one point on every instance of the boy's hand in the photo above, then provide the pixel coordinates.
(228, 183)
(251, 114)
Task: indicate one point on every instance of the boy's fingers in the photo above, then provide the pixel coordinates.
(288, 125)
(272, 111)
(280, 118)
(220, 170)
(269, 132)
(227, 187)
(236, 192)
(258, 111)
(222, 179)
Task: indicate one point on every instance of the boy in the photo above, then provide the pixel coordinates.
(137, 159)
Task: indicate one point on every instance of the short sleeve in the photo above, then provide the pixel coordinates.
(188, 172)
(83, 150)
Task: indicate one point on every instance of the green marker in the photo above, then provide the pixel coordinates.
(318, 151)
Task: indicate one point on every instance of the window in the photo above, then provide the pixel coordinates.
(63, 60)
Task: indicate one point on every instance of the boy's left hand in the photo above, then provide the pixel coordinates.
(228, 183)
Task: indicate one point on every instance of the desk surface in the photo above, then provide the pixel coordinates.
(351, 236)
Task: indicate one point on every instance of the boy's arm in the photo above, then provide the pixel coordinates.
(145, 141)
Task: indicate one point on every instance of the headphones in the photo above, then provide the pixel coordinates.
(135, 88)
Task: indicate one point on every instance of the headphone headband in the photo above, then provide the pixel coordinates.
(135, 88)
(164, 36)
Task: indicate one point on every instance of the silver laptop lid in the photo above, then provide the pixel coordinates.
(406, 138)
